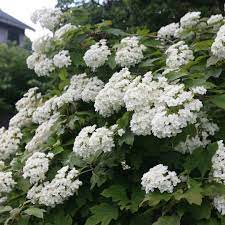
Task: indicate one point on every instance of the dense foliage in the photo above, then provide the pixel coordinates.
(128, 14)
(16, 78)
(130, 131)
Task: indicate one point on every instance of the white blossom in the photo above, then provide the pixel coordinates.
(9, 141)
(168, 31)
(219, 204)
(44, 66)
(110, 99)
(63, 30)
(32, 60)
(64, 185)
(218, 166)
(42, 134)
(62, 59)
(47, 17)
(130, 52)
(91, 140)
(97, 55)
(41, 44)
(178, 55)
(6, 185)
(37, 166)
(214, 19)
(91, 89)
(205, 128)
(125, 166)
(199, 90)
(26, 107)
(159, 177)
(218, 46)
(190, 19)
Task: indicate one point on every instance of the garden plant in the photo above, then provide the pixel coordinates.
(130, 131)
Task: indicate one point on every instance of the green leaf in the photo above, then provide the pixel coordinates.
(203, 45)
(116, 32)
(124, 121)
(218, 100)
(102, 214)
(137, 196)
(168, 220)
(155, 198)
(112, 62)
(193, 195)
(201, 212)
(214, 189)
(201, 159)
(39, 213)
(118, 194)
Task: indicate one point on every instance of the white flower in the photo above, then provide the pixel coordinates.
(9, 142)
(92, 89)
(218, 166)
(168, 31)
(199, 90)
(177, 55)
(63, 30)
(218, 46)
(6, 185)
(41, 44)
(110, 99)
(219, 204)
(205, 128)
(159, 177)
(125, 166)
(44, 66)
(64, 185)
(121, 132)
(62, 59)
(130, 52)
(37, 166)
(214, 19)
(190, 19)
(42, 134)
(26, 107)
(91, 140)
(97, 55)
(47, 18)
(32, 60)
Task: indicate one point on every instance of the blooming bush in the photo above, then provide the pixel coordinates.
(130, 132)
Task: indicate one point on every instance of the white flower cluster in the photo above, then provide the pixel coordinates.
(6, 185)
(130, 52)
(215, 19)
(159, 177)
(153, 103)
(219, 204)
(42, 134)
(110, 99)
(218, 165)
(91, 140)
(47, 17)
(189, 20)
(97, 55)
(177, 55)
(64, 185)
(9, 141)
(168, 31)
(37, 166)
(26, 107)
(81, 88)
(218, 46)
(41, 44)
(205, 129)
(62, 59)
(63, 30)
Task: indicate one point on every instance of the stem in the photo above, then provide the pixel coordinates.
(86, 171)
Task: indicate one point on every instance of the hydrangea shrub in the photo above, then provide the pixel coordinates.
(130, 132)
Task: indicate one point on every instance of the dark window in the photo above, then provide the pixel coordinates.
(13, 36)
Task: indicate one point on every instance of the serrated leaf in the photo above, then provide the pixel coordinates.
(118, 194)
(155, 198)
(137, 196)
(203, 45)
(168, 220)
(39, 213)
(102, 214)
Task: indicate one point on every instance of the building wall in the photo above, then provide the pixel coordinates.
(3, 34)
